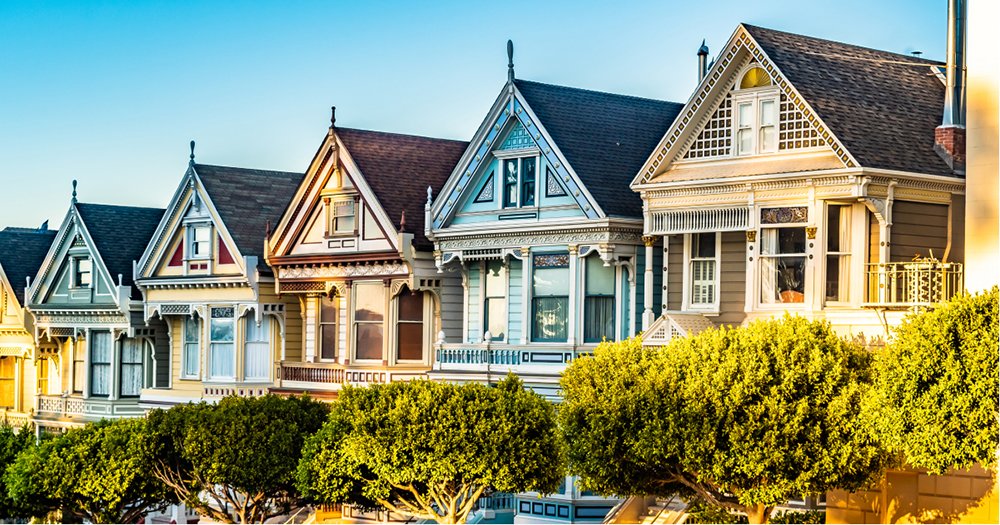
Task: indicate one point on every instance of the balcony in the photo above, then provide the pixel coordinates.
(912, 284)
(331, 377)
(497, 360)
(78, 408)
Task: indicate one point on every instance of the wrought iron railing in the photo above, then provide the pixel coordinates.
(912, 284)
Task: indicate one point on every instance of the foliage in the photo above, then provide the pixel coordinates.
(429, 450)
(700, 512)
(745, 418)
(938, 379)
(234, 461)
(799, 516)
(12, 442)
(98, 473)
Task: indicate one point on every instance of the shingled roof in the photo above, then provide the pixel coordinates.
(246, 200)
(605, 137)
(883, 106)
(22, 251)
(120, 234)
(399, 168)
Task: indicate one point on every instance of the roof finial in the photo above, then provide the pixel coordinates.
(703, 50)
(333, 117)
(430, 197)
(192, 152)
(510, 60)
(267, 228)
(74, 192)
(402, 221)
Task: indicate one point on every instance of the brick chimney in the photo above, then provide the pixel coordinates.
(949, 137)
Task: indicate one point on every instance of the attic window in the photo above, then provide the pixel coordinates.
(343, 216)
(754, 78)
(199, 241)
(82, 272)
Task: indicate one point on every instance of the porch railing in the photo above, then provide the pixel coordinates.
(913, 284)
(330, 376)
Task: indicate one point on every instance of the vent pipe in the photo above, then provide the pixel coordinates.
(702, 61)
(954, 95)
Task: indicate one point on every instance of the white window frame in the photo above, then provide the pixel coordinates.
(845, 251)
(519, 158)
(758, 268)
(263, 329)
(321, 324)
(211, 343)
(484, 269)
(334, 216)
(422, 322)
(355, 322)
(190, 231)
(185, 342)
(74, 279)
(755, 97)
(688, 276)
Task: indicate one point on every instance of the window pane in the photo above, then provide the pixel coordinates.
(745, 115)
(191, 359)
(410, 338)
(550, 281)
(369, 302)
(7, 382)
(100, 379)
(703, 282)
(528, 182)
(496, 279)
(223, 363)
(599, 322)
(837, 272)
(369, 341)
(744, 139)
(258, 333)
(600, 279)
(191, 330)
(411, 306)
(328, 310)
(83, 269)
(510, 183)
(768, 138)
(222, 330)
(328, 343)
(496, 317)
(767, 113)
(257, 362)
(782, 279)
(131, 379)
(550, 314)
(100, 347)
(833, 228)
(703, 245)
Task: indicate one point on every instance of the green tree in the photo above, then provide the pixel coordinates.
(234, 462)
(429, 450)
(938, 379)
(744, 418)
(12, 442)
(98, 473)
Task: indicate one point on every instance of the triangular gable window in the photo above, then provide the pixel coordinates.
(552, 186)
(486, 194)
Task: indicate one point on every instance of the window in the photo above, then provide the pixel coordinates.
(754, 78)
(131, 368)
(42, 366)
(7, 372)
(369, 312)
(410, 326)
(200, 241)
(328, 313)
(83, 272)
(519, 181)
(838, 255)
(343, 217)
(222, 364)
(550, 297)
(495, 301)
(756, 114)
(783, 265)
(257, 355)
(703, 270)
(192, 348)
(100, 363)
(79, 366)
(599, 303)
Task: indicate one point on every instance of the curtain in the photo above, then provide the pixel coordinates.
(100, 363)
(599, 322)
(768, 266)
(222, 362)
(551, 314)
(131, 367)
(257, 354)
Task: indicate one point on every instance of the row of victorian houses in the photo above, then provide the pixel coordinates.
(802, 175)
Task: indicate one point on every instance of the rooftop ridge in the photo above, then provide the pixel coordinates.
(598, 92)
(397, 134)
(257, 170)
(909, 58)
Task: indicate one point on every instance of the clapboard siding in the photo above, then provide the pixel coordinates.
(732, 279)
(475, 334)
(918, 229)
(675, 272)
(514, 306)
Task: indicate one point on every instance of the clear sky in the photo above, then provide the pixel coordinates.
(111, 92)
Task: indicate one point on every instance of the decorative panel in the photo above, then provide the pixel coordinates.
(795, 131)
(552, 260)
(692, 221)
(486, 193)
(518, 138)
(789, 215)
(552, 186)
(715, 140)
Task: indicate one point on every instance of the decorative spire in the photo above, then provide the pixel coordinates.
(333, 117)
(510, 60)
(402, 221)
(192, 153)
(267, 229)
(73, 200)
(430, 197)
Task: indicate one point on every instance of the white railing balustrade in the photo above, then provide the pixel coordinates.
(913, 284)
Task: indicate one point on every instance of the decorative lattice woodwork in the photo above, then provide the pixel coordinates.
(716, 138)
(795, 131)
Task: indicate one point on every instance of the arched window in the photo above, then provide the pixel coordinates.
(754, 78)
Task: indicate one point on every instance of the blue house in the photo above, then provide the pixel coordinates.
(538, 221)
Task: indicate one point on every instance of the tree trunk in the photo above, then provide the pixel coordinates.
(758, 514)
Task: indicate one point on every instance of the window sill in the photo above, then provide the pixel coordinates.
(709, 312)
(345, 235)
(194, 378)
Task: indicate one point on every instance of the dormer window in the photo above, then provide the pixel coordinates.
(756, 116)
(83, 271)
(519, 182)
(342, 217)
(199, 241)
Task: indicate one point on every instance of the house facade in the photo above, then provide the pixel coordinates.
(803, 176)
(21, 253)
(95, 352)
(203, 275)
(350, 249)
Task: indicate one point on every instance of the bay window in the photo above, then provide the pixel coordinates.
(222, 342)
(782, 265)
(495, 300)
(100, 363)
(257, 350)
(703, 270)
(192, 347)
(838, 255)
(131, 368)
(369, 314)
(599, 301)
(550, 297)
(410, 326)
(519, 182)
(328, 312)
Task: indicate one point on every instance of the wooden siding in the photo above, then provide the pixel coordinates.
(732, 279)
(873, 237)
(514, 306)
(918, 228)
(675, 273)
(475, 334)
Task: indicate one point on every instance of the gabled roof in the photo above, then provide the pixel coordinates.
(399, 168)
(22, 251)
(882, 106)
(246, 200)
(605, 137)
(120, 233)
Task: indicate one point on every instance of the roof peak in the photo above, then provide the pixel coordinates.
(597, 91)
(393, 133)
(256, 170)
(910, 58)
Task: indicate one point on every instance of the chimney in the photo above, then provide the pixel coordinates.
(702, 61)
(949, 137)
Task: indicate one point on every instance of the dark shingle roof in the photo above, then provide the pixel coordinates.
(121, 234)
(399, 168)
(883, 106)
(22, 251)
(246, 200)
(605, 137)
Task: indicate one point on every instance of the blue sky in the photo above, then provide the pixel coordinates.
(111, 92)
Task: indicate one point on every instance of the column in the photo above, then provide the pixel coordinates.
(574, 281)
(526, 269)
(647, 285)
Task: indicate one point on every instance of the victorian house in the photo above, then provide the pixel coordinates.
(351, 252)
(203, 274)
(95, 352)
(536, 221)
(21, 253)
(805, 176)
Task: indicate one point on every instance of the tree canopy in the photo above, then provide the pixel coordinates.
(744, 418)
(98, 473)
(429, 450)
(234, 462)
(12, 442)
(938, 379)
